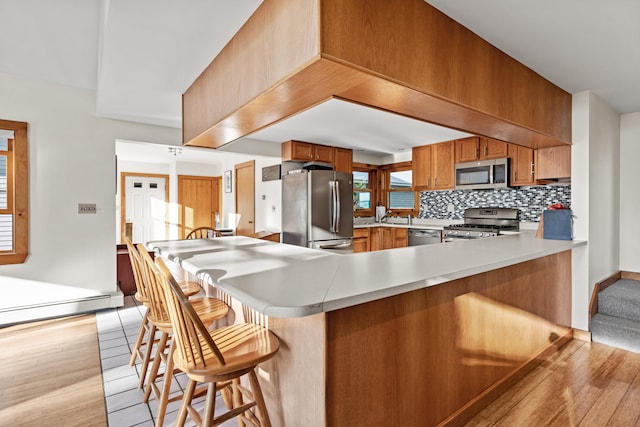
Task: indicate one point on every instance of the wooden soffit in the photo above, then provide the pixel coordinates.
(402, 56)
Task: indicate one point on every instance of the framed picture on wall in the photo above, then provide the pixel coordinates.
(227, 181)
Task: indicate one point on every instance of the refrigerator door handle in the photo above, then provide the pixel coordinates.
(336, 246)
(337, 215)
(332, 210)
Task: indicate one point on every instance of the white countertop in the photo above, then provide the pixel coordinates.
(290, 281)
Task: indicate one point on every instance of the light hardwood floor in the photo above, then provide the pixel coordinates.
(50, 374)
(584, 384)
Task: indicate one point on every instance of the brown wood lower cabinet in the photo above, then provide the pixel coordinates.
(400, 237)
(379, 238)
(360, 240)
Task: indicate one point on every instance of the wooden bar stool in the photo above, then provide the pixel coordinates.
(147, 331)
(217, 357)
(203, 233)
(207, 309)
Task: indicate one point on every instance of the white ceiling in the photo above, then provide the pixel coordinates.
(141, 55)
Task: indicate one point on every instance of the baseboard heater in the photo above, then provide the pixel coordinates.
(28, 313)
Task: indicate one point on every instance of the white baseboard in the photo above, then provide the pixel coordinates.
(23, 314)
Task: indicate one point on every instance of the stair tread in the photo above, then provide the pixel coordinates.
(622, 299)
(616, 332)
(626, 288)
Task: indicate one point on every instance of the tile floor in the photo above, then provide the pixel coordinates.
(117, 333)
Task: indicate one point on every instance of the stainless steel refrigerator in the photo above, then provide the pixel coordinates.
(317, 210)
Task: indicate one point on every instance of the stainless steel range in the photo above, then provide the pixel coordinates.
(483, 222)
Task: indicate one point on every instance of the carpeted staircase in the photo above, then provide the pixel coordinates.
(618, 320)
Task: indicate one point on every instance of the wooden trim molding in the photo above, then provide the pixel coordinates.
(630, 275)
(599, 287)
(581, 335)
(20, 202)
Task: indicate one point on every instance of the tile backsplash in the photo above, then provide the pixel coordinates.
(530, 200)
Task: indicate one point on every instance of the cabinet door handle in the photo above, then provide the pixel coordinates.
(532, 168)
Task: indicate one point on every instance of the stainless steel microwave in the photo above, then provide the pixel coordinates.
(482, 175)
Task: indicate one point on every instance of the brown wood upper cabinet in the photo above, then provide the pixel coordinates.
(433, 166)
(306, 152)
(343, 160)
(299, 151)
(479, 148)
(553, 162)
(522, 166)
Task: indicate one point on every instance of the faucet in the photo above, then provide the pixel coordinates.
(386, 214)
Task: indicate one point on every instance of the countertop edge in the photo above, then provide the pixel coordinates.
(444, 278)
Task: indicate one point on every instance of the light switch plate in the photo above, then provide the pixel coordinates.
(86, 208)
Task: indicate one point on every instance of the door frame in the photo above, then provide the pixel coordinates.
(123, 198)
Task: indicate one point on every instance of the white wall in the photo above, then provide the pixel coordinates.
(595, 198)
(71, 161)
(604, 201)
(629, 192)
(266, 218)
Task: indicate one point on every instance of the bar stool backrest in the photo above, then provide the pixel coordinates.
(203, 233)
(157, 302)
(136, 267)
(192, 337)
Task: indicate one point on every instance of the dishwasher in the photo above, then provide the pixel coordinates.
(421, 236)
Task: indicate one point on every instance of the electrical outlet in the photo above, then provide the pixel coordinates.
(86, 208)
(450, 208)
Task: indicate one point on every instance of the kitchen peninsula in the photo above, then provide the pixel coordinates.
(409, 336)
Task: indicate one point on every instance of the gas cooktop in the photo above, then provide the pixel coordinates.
(483, 222)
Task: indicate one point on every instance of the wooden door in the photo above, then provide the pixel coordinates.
(245, 197)
(442, 165)
(143, 205)
(199, 199)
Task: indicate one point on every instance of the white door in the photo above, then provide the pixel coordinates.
(146, 207)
